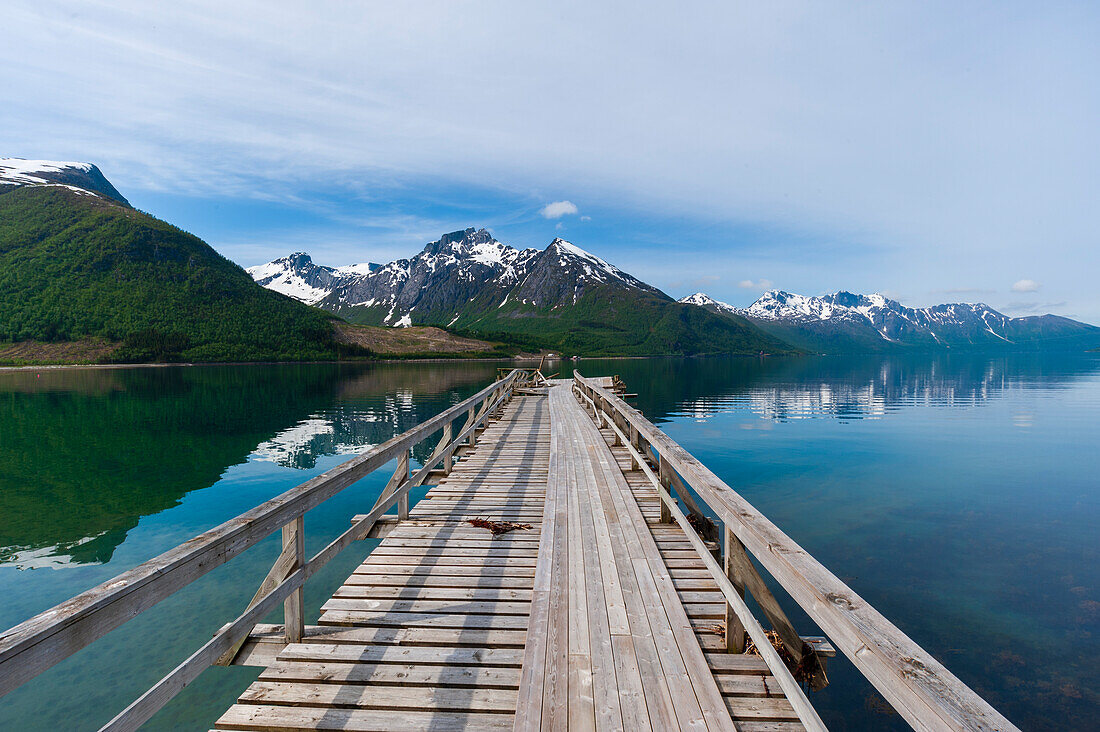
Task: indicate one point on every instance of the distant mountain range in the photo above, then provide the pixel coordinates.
(849, 323)
(560, 297)
(565, 297)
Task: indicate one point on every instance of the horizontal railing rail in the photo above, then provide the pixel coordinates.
(46, 639)
(920, 688)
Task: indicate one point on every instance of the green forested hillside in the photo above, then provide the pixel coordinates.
(612, 321)
(74, 266)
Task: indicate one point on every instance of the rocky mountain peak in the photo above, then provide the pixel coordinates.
(459, 240)
(460, 272)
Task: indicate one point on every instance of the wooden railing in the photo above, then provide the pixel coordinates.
(41, 642)
(919, 688)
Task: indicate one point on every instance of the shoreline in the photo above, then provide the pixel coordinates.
(510, 359)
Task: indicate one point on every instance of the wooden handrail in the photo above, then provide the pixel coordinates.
(44, 640)
(920, 688)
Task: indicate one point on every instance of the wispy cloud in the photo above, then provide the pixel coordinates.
(761, 284)
(557, 209)
(1025, 286)
(691, 124)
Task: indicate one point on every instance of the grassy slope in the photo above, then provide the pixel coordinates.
(75, 266)
(416, 342)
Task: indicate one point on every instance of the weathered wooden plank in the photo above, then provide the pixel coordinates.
(501, 677)
(363, 696)
(402, 654)
(532, 683)
(271, 717)
(382, 592)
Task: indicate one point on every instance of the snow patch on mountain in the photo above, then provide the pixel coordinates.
(17, 171)
(593, 268)
(82, 178)
(704, 300)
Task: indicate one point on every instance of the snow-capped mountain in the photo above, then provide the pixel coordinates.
(298, 277)
(562, 298)
(890, 319)
(704, 300)
(847, 322)
(83, 178)
(461, 274)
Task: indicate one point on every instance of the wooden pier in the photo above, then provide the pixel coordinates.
(570, 568)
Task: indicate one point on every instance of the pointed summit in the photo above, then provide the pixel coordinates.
(704, 300)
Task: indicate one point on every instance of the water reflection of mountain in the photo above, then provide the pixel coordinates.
(84, 454)
(844, 388)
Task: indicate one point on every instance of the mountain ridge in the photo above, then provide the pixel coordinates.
(560, 297)
(847, 322)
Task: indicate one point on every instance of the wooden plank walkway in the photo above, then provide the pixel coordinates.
(598, 617)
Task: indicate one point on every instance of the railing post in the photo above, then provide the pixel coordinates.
(781, 624)
(735, 630)
(470, 439)
(403, 499)
(448, 448)
(294, 606)
(666, 481)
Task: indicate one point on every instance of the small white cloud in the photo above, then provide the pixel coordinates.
(586, 218)
(559, 226)
(557, 209)
(1025, 286)
(760, 284)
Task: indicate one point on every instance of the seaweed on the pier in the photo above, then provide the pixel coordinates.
(498, 527)
(810, 670)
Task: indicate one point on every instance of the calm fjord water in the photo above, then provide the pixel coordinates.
(959, 495)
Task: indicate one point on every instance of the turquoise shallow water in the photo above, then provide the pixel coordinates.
(957, 495)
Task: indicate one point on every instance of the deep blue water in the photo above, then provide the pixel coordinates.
(959, 495)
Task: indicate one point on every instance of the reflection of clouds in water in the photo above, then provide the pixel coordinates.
(300, 446)
(46, 557)
(343, 433)
(292, 441)
(1023, 420)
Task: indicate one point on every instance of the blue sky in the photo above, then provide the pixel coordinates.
(931, 151)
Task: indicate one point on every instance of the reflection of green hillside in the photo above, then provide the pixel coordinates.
(84, 454)
(90, 460)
